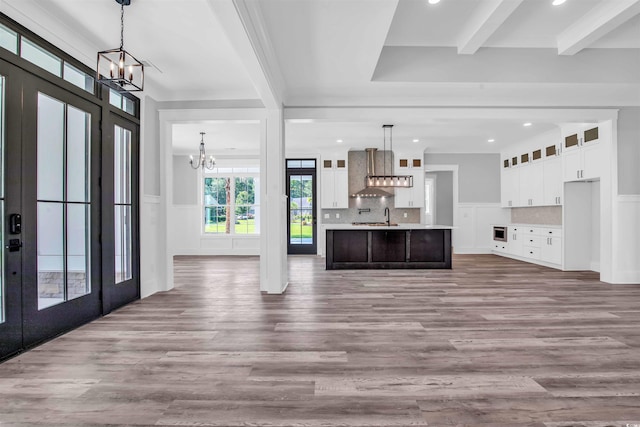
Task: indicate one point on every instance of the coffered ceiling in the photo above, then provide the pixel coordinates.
(368, 53)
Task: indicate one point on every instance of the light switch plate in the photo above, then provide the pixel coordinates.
(405, 214)
(337, 215)
(326, 216)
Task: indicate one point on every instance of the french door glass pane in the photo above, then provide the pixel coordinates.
(63, 227)
(122, 200)
(122, 165)
(123, 243)
(301, 209)
(77, 250)
(78, 131)
(51, 279)
(51, 123)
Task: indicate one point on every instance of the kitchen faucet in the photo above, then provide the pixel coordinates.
(387, 214)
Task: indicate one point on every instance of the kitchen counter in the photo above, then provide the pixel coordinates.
(383, 226)
(401, 246)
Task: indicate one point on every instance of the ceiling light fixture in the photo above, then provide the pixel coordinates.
(416, 140)
(202, 162)
(339, 141)
(391, 180)
(558, 2)
(527, 124)
(491, 140)
(434, 1)
(117, 68)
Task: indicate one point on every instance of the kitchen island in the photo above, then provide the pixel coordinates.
(378, 245)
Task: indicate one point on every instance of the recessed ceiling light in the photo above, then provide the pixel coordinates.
(558, 2)
(434, 1)
(339, 141)
(527, 124)
(491, 140)
(416, 140)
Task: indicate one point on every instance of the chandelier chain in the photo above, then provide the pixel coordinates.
(121, 25)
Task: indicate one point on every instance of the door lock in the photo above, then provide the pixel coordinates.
(14, 245)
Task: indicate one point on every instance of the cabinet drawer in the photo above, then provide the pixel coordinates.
(500, 247)
(531, 252)
(532, 240)
(551, 232)
(530, 231)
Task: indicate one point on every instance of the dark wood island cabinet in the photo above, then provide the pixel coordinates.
(386, 247)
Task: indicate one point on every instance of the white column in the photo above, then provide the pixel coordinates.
(273, 226)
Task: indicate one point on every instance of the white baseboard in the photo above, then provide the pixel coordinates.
(216, 252)
(529, 260)
(595, 266)
(472, 251)
(629, 277)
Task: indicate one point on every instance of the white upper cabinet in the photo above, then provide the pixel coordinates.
(510, 185)
(410, 164)
(334, 178)
(582, 156)
(552, 172)
(531, 178)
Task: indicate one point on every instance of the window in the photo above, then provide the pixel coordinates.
(231, 201)
(8, 39)
(40, 57)
(120, 101)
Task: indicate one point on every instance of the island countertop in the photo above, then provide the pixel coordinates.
(400, 226)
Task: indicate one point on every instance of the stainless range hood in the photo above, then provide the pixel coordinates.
(371, 192)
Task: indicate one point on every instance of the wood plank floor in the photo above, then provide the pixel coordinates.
(493, 342)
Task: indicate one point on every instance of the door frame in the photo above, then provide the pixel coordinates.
(11, 328)
(301, 249)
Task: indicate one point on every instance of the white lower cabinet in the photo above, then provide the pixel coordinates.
(515, 241)
(540, 245)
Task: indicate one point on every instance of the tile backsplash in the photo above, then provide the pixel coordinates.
(357, 162)
(543, 215)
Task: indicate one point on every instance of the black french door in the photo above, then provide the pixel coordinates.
(10, 203)
(52, 253)
(301, 210)
(120, 218)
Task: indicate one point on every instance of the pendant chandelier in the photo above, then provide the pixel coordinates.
(390, 180)
(203, 161)
(117, 68)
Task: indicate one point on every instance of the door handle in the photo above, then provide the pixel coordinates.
(14, 245)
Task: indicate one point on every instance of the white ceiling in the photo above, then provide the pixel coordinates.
(364, 53)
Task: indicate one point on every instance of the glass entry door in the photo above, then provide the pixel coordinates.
(301, 192)
(51, 210)
(10, 206)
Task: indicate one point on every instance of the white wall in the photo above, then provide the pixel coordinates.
(152, 238)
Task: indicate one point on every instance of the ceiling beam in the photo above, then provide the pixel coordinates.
(244, 26)
(604, 17)
(489, 16)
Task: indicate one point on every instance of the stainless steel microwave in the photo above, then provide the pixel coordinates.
(500, 233)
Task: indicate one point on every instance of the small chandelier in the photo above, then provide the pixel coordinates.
(391, 180)
(202, 162)
(117, 68)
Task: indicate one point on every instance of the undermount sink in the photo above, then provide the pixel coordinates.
(374, 224)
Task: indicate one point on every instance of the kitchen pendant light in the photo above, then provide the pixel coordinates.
(390, 180)
(117, 68)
